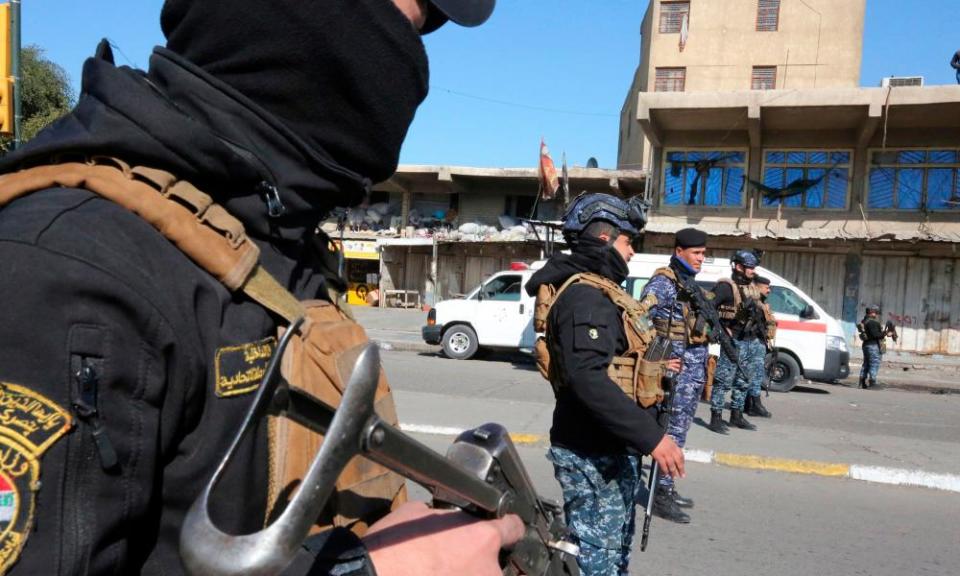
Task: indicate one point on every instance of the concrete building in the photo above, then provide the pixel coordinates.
(732, 45)
(419, 253)
(749, 117)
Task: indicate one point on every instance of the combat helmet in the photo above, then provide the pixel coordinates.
(746, 258)
(629, 216)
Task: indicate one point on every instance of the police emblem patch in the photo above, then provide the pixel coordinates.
(239, 369)
(593, 333)
(30, 424)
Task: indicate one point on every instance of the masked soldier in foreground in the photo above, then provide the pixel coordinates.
(674, 318)
(605, 415)
(155, 239)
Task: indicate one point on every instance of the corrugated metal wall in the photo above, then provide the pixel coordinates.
(481, 208)
(920, 295)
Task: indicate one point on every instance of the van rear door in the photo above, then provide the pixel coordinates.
(799, 328)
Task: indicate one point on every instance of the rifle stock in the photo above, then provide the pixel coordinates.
(659, 351)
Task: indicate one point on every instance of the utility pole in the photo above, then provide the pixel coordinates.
(15, 57)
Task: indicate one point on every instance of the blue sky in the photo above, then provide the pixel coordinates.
(553, 68)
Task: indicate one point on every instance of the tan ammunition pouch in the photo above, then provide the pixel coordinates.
(317, 360)
(771, 322)
(638, 378)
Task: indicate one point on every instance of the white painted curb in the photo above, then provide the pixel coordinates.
(875, 474)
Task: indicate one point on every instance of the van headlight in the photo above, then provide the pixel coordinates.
(836, 343)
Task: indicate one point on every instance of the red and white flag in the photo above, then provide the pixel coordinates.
(549, 182)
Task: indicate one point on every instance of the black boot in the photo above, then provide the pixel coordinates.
(737, 419)
(680, 500)
(755, 407)
(665, 507)
(716, 422)
(863, 382)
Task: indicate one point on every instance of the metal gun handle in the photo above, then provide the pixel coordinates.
(352, 429)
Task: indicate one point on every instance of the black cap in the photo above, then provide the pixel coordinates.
(690, 238)
(467, 13)
(873, 308)
(761, 280)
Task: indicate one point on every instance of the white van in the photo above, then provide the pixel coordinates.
(810, 342)
(498, 314)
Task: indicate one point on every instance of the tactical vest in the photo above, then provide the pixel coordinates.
(732, 311)
(638, 378)
(216, 242)
(690, 329)
(771, 321)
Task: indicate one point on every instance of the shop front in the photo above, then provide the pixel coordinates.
(361, 269)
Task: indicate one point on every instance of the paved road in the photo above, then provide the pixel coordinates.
(746, 521)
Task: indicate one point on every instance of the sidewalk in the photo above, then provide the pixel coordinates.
(399, 329)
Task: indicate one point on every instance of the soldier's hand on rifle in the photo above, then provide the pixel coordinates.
(674, 365)
(415, 540)
(669, 457)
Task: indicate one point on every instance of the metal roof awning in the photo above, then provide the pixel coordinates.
(837, 229)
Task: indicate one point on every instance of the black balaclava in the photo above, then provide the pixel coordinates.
(345, 75)
(600, 257)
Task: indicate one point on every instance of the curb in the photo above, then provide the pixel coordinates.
(402, 346)
(874, 474)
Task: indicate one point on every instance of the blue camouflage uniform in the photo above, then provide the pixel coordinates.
(600, 493)
(688, 385)
(873, 335)
(752, 354)
(871, 361)
(751, 350)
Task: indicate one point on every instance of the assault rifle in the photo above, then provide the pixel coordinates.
(481, 473)
(659, 350)
(706, 311)
(890, 330)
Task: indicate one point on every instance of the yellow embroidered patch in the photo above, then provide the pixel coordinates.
(239, 369)
(30, 423)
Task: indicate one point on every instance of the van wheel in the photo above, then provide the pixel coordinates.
(459, 342)
(784, 375)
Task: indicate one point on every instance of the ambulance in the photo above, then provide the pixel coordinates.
(498, 315)
(810, 343)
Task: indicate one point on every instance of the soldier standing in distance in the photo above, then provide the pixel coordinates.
(733, 298)
(754, 405)
(674, 318)
(873, 335)
(600, 428)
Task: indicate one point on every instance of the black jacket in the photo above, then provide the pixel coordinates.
(872, 330)
(99, 311)
(592, 414)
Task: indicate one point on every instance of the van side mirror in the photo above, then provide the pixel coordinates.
(808, 313)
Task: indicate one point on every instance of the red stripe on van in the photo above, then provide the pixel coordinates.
(802, 326)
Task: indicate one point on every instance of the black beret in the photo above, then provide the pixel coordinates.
(761, 280)
(690, 238)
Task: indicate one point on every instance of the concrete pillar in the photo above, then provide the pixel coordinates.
(851, 292)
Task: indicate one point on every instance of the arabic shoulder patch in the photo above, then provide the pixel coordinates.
(30, 424)
(239, 369)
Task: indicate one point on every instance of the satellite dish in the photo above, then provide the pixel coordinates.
(592, 162)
